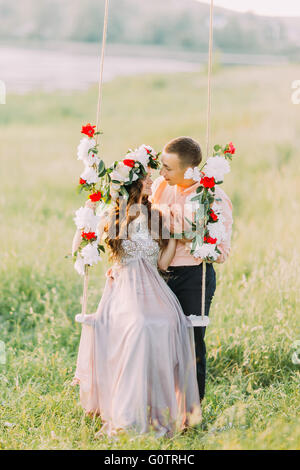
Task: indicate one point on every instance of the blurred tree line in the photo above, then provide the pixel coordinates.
(172, 23)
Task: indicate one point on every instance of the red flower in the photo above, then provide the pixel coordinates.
(95, 196)
(129, 162)
(210, 240)
(82, 181)
(147, 150)
(208, 182)
(213, 215)
(88, 235)
(88, 130)
(230, 148)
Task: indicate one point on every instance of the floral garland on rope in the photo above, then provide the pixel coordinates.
(207, 225)
(85, 219)
(105, 185)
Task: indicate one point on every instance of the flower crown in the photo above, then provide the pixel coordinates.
(134, 166)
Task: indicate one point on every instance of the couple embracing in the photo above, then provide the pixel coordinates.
(141, 363)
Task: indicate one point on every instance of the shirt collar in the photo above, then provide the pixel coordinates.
(188, 190)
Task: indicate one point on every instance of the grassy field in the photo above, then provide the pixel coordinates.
(252, 399)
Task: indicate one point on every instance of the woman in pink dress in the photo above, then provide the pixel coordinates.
(136, 363)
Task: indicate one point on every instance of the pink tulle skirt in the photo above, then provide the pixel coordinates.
(136, 363)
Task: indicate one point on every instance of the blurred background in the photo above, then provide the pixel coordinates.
(53, 44)
(155, 89)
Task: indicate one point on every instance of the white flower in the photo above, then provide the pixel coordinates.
(92, 158)
(142, 156)
(89, 175)
(83, 148)
(217, 230)
(90, 253)
(205, 251)
(86, 219)
(192, 173)
(79, 265)
(142, 150)
(216, 167)
(121, 172)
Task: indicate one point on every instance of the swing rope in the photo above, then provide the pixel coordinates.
(101, 66)
(208, 126)
(104, 35)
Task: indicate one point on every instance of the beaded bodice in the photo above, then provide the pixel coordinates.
(139, 244)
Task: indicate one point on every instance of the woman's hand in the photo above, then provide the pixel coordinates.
(90, 204)
(109, 273)
(76, 241)
(167, 255)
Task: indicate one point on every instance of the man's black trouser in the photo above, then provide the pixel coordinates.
(186, 283)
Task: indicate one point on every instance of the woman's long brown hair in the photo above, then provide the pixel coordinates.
(113, 226)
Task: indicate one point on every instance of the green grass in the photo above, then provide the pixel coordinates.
(252, 399)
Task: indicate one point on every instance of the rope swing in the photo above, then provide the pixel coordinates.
(203, 320)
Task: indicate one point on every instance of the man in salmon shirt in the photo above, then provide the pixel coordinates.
(172, 191)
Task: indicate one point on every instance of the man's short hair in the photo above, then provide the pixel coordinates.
(187, 149)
